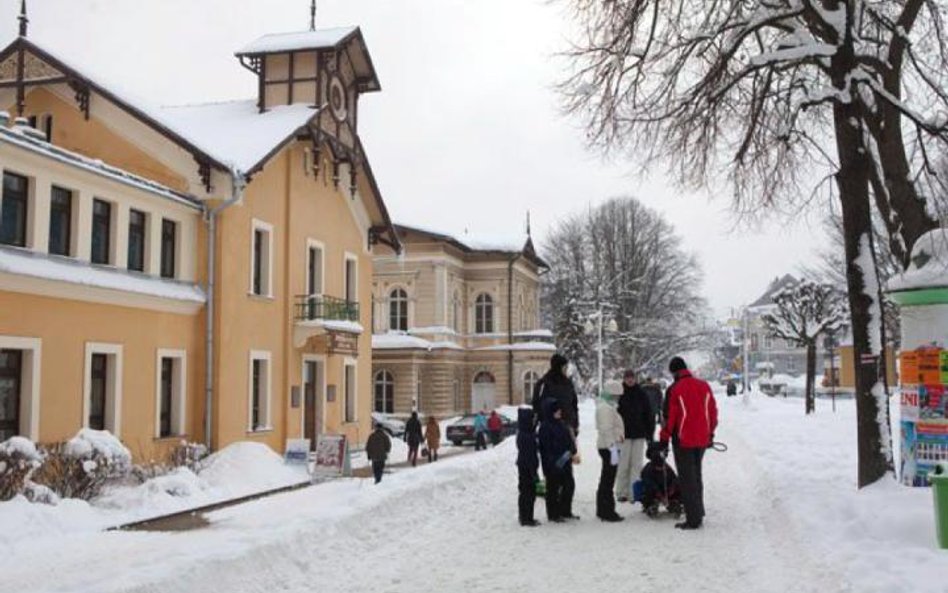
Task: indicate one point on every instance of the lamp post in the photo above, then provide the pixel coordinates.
(612, 326)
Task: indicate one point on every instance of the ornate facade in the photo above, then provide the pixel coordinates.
(456, 326)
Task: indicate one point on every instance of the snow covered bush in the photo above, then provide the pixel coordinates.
(80, 467)
(19, 458)
(189, 455)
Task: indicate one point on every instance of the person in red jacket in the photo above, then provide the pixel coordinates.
(691, 415)
(495, 426)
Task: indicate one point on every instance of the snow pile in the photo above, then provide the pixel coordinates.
(91, 445)
(21, 447)
(245, 468)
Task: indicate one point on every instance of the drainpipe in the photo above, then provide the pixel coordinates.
(510, 356)
(238, 182)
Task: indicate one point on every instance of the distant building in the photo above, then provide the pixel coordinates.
(456, 325)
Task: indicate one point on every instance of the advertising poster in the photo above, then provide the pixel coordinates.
(929, 366)
(909, 399)
(332, 456)
(908, 468)
(909, 367)
(944, 367)
(297, 452)
(931, 448)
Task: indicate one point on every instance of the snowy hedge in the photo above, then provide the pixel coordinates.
(80, 467)
(19, 458)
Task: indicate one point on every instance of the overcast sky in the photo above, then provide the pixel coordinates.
(466, 133)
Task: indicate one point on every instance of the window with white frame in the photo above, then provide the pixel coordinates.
(60, 221)
(171, 390)
(349, 390)
(261, 259)
(530, 379)
(768, 342)
(102, 240)
(384, 392)
(169, 248)
(484, 314)
(19, 387)
(351, 279)
(259, 391)
(398, 310)
(314, 268)
(103, 387)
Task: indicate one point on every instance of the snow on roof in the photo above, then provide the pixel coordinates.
(280, 42)
(929, 267)
(398, 341)
(236, 132)
(16, 137)
(534, 333)
(471, 243)
(37, 265)
(776, 286)
(538, 346)
(434, 329)
(335, 325)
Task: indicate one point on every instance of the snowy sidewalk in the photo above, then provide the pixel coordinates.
(452, 526)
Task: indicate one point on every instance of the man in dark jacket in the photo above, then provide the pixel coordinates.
(557, 450)
(377, 449)
(690, 420)
(639, 422)
(528, 465)
(557, 385)
(413, 437)
(654, 392)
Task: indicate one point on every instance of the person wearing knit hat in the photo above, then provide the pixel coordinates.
(611, 434)
(557, 384)
(690, 421)
(638, 422)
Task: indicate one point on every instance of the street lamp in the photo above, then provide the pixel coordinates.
(611, 326)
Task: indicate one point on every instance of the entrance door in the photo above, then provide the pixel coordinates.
(482, 394)
(11, 366)
(312, 400)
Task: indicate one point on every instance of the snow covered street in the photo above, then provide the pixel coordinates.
(452, 525)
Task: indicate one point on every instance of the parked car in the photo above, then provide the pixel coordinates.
(462, 430)
(393, 426)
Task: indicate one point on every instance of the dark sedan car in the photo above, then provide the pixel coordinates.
(462, 430)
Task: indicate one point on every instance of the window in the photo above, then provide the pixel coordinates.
(261, 275)
(97, 394)
(351, 279)
(768, 342)
(456, 392)
(484, 314)
(755, 342)
(169, 232)
(137, 225)
(349, 389)
(530, 379)
(11, 389)
(398, 310)
(456, 312)
(101, 231)
(259, 397)
(314, 270)
(15, 207)
(171, 386)
(102, 390)
(60, 221)
(384, 392)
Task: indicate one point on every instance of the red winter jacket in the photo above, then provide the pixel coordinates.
(692, 412)
(494, 423)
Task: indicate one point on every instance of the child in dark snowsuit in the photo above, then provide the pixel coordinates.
(557, 449)
(527, 466)
(659, 483)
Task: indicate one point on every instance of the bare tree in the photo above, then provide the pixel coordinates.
(627, 258)
(805, 312)
(772, 91)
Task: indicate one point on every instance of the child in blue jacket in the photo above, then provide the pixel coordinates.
(557, 450)
(528, 464)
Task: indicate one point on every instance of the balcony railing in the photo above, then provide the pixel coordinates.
(313, 307)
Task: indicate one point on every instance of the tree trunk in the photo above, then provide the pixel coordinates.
(874, 442)
(810, 377)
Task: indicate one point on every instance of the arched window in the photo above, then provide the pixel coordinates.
(384, 392)
(530, 379)
(484, 314)
(398, 310)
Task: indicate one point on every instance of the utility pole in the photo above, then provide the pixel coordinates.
(745, 342)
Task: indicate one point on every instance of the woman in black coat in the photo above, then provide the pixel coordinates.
(413, 437)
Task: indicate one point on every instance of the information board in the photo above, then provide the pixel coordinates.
(297, 452)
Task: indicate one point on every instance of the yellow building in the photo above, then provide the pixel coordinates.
(456, 324)
(199, 272)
